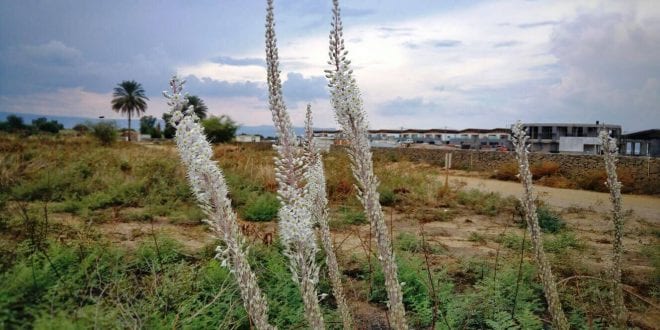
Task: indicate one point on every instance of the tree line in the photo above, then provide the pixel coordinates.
(129, 99)
(15, 124)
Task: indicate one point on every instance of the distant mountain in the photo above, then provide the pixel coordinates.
(265, 130)
(70, 121)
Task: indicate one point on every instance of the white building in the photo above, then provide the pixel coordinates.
(248, 138)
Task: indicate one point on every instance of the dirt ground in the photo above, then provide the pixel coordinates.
(647, 207)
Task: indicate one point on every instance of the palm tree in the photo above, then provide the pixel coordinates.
(199, 107)
(129, 98)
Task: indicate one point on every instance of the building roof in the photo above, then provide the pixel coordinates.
(441, 130)
(572, 124)
(643, 135)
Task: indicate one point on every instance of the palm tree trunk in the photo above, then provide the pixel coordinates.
(129, 126)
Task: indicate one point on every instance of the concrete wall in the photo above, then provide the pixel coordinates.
(576, 144)
(645, 171)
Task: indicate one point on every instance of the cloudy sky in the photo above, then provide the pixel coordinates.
(420, 64)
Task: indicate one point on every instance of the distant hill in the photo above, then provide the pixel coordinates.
(70, 121)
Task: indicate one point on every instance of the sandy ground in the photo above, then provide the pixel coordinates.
(647, 207)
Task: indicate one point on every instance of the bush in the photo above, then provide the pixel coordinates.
(105, 132)
(388, 198)
(556, 181)
(411, 243)
(263, 208)
(220, 129)
(42, 124)
(549, 221)
(487, 203)
(562, 242)
(507, 171)
(417, 296)
(352, 216)
(81, 128)
(87, 286)
(543, 169)
(595, 180)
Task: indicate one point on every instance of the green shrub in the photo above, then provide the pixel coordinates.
(219, 129)
(105, 132)
(285, 304)
(411, 243)
(562, 242)
(263, 208)
(388, 197)
(549, 221)
(487, 203)
(514, 241)
(88, 286)
(490, 304)
(352, 216)
(477, 238)
(417, 296)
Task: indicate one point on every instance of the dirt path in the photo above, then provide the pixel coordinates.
(647, 207)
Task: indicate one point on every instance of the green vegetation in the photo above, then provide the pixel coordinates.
(15, 124)
(105, 132)
(486, 203)
(262, 208)
(68, 270)
(149, 125)
(220, 129)
(549, 221)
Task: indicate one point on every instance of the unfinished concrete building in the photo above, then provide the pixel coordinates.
(642, 143)
(568, 138)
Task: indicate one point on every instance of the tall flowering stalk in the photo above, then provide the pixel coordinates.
(610, 151)
(347, 102)
(296, 226)
(520, 139)
(209, 186)
(318, 204)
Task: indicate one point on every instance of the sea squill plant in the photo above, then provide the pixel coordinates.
(209, 187)
(295, 219)
(318, 204)
(347, 103)
(520, 139)
(610, 152)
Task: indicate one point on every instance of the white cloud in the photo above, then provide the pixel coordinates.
(225, 72)
(483, 64)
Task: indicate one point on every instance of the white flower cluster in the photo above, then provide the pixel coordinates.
(347, 103)
(208, 185)
(295, 220)
(317, 202)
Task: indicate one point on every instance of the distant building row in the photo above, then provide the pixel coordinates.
(466, 139)
(544, 137)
